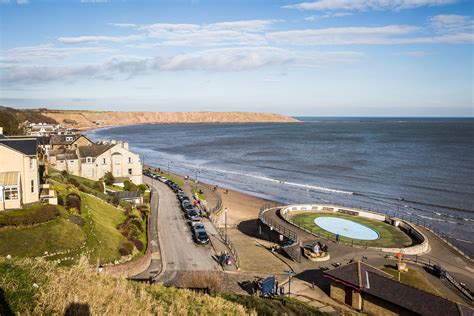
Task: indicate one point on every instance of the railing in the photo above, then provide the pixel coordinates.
(288, 233)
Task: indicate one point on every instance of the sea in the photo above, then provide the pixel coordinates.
(420, 169)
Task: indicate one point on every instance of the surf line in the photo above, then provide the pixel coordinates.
(293, 184)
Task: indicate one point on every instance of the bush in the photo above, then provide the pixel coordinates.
(73, 201)
(115, 201)
(64, 173)
(109, 178)
(142, 188)
(138, 244)
(60, 200)
(73, 181)
(126, 205)
(35, 215)
(99, 186)
(137, 223)
(77, 220)
(126, 249)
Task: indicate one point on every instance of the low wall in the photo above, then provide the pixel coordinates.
(421, 248)
(129, 269)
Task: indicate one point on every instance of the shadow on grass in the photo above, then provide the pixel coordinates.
(4, 306)
(77, 309)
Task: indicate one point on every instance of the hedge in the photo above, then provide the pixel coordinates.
(34, 215)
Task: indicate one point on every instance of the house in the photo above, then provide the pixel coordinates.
(374, 292)
(19, 176)
(41, 129)
(68, 141)
(98, 159)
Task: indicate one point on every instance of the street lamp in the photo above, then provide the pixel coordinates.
(289, 274)
(225, 224)
(196, 178)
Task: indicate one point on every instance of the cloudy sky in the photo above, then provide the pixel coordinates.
(317, 58)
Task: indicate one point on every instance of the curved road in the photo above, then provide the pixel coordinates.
(178, 251)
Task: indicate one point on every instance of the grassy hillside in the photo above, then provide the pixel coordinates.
(76, 289)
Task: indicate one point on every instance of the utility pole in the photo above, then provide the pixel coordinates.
(289, 274)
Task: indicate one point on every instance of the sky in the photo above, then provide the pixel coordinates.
(314, 58)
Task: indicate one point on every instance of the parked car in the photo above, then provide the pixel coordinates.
(198, 226)
(193, 215)
(201, 237)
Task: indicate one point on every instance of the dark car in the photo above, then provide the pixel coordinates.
(201, 237)
(193, 215)
(198, 226)
(186, 205)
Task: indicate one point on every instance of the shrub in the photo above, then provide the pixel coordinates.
(109, 178)
(60, 200)
(115, 201)
(137, 223)
(77, 220)
(126, 205)
(73, 181)
(35, 215)
(142, 188)
(64, 173)
(73, 201)
(126, 249)
(138, 244)
(99, 186)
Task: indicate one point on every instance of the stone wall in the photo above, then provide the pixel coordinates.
(337, 292)
(375, 306)
(129, 269)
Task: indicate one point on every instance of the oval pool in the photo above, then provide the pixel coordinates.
(346, 228)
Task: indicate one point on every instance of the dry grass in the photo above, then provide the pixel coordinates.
(78, 289)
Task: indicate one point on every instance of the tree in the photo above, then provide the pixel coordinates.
(109, 178)
(142, 188)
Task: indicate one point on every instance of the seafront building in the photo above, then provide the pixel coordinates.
(19, 176)
(81, 157)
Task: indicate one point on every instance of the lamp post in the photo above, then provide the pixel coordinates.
(169, 167)
(196, 178)
(225, 225)
(289, 274)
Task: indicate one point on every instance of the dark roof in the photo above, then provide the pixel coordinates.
(126, 194)
(354, 273)
(66, 155)
(42, 140)
(2, 136)
(375, 282)
(94, 150)
(84, 136)
(27, 146)
(61, 139)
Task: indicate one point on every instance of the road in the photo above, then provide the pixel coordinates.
(178, 251)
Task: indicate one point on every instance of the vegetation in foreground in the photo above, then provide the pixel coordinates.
(39, 287)
(389, 236)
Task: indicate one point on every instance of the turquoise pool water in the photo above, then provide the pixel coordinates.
(346, 228)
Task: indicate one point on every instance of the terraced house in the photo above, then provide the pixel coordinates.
(94, 160)
(19, 176)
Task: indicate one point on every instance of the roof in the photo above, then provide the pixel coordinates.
(94, 150)
(83, 136)
(27, 146)
(375, 282)
(66, 155)
(126, 194)
(2, 136)
(9, 178)
(354, 273)
(61, 139)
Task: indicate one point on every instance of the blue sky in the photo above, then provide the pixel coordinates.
(316, 58)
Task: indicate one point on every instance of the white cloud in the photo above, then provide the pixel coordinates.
(311, 18)
(328, 15)
(97, 39)
(416, 53)
(222, 60)
(364, 5)
(49, 51)
(448, 23)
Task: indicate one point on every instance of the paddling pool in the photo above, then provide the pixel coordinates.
(346, 228)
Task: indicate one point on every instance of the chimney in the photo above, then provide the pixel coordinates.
(125, 145)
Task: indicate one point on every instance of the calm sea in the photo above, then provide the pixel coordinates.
(422, 169)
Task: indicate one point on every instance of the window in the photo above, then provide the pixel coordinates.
(130, 171)
(32, 164)
(71, 162)
(61, 162)
(33, 187)
(88, 159)
(11, 193)
(129, 159)
(104, 161)
(68, 139)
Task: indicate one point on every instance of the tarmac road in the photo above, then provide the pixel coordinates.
(178, 251)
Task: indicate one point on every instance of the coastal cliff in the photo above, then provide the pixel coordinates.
(93, 119)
